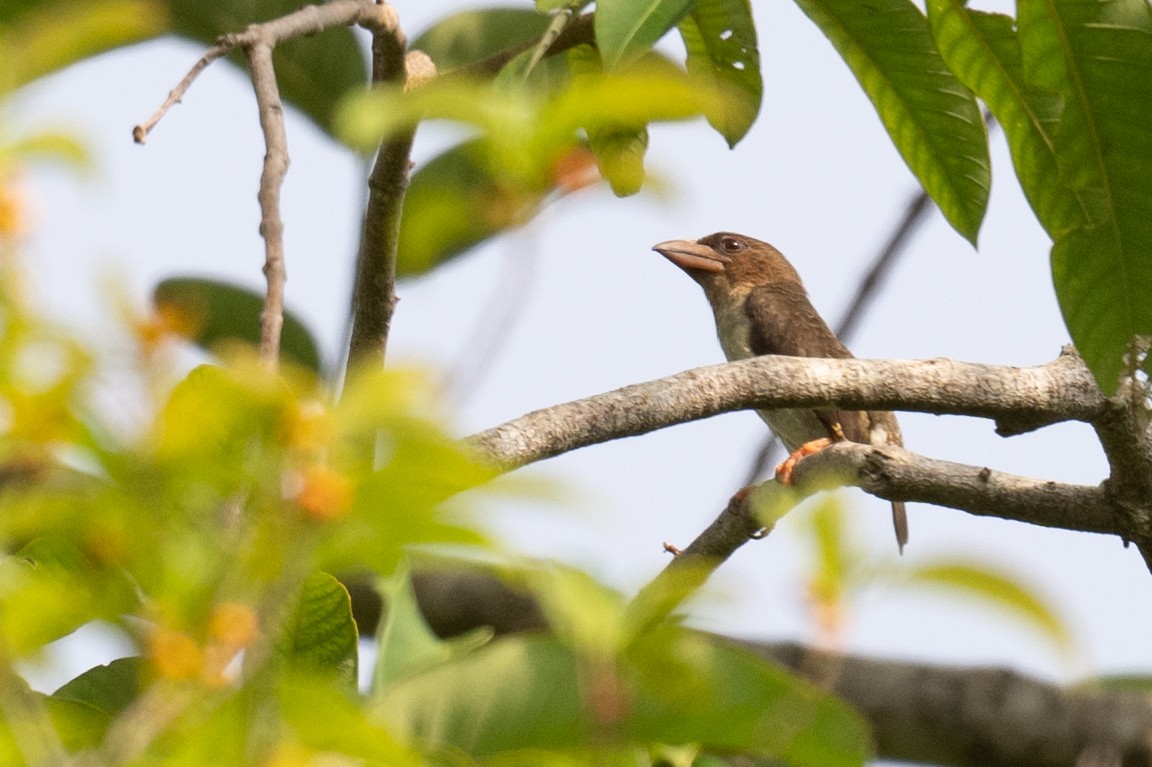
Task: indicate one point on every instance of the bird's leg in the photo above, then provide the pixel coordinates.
(784, 470)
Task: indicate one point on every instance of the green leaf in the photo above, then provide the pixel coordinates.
(46, 36)
(619, 151)
(406, 644)
(720, 37)
(321, 635)
(111, 688)
(932, 118)
(1098, 58)
(454, 202)
(692, 688)
(996, 589)
(399, 505)
(79, 725)
(469, 36)
(404, 641)
(50, 588)
(330, 719)
(313, 72)
(48, 146)
(981, 48)
(533, 692)
(213, 312)
(627, 29)
(211, 417)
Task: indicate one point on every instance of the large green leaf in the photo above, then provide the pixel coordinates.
(212, 312)
(50, 588)
(627, 29)
(313, 72)
(620, 149)
(330, 719)
(111, 688)
(453, 203)
(1098, 58)
(993, 588)
(981, 48)
(320, 636)
(41, 37)
(932, 118)
(528, 692)
(405, 642)
(470, 36)
(720, 38)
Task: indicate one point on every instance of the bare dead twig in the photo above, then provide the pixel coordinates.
(306, 21)
(276, 161)
(258, 42)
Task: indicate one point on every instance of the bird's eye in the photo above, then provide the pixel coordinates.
(731, 244)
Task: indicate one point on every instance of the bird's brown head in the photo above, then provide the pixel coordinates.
(729, 263)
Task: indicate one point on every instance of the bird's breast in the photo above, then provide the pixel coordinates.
(732, 326)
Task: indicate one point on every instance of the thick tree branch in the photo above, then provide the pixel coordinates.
(897, 474)
(983, 717)
(1018, 399)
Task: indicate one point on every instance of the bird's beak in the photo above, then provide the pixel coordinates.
(689, 255)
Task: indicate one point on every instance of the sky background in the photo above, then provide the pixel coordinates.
(596, 309)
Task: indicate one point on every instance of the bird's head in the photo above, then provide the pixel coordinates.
(728, 263)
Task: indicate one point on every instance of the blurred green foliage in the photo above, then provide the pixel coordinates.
(206, 536)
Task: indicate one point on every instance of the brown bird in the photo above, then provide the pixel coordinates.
(761, 307)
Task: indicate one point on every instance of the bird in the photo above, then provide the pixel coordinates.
(761, 307)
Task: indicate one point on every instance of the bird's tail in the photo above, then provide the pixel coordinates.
(900, 523)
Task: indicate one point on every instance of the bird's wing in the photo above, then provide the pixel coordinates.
(783, 321)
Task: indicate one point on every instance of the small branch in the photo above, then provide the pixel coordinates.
(374, 288)
(276, 161)
(897, 474)
(176, 95)
(1020, 399)
(258, 41)
(307, 21)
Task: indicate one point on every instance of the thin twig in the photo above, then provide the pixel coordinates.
(276, 161)
(258, 41)
(141, 131)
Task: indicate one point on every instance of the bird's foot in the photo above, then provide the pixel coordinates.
(784, 470)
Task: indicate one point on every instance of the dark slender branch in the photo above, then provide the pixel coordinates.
(374, 290)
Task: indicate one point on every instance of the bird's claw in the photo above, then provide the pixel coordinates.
(784, 470)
